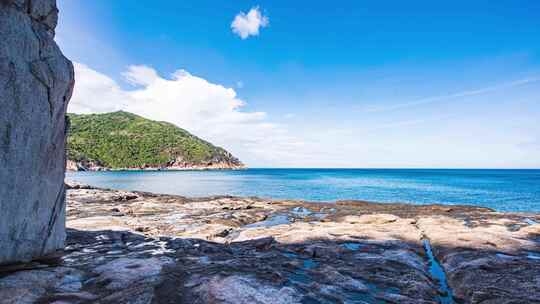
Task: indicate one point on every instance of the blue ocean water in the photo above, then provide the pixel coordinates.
(503, 190)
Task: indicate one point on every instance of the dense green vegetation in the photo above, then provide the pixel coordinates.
(125, 140)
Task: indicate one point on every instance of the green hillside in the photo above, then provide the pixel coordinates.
(125, 140)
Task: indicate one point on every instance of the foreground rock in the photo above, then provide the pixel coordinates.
(130, 247)
(36, 82)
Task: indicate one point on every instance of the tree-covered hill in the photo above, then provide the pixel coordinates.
(125, 140)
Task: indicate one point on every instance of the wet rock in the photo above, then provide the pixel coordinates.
(301, 211)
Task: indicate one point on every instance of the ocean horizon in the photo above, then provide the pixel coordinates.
(514, 190)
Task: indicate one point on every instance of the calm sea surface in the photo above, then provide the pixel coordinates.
(503, 190)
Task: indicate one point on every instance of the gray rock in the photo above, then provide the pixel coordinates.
(29, 286)
(123, 272)
(36, 83)
(244, 290)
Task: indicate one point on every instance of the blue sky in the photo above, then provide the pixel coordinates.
(352, 84)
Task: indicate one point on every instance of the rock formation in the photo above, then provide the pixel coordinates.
(36, 82)
(134, 247)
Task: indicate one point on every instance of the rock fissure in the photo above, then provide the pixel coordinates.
(38, 38)
(438, 274)
(12, 83)
(42, 72)
(59, 202)
(436, 270)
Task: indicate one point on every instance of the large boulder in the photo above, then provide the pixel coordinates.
(36, 83)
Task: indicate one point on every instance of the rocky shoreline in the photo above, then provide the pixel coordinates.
(134, 247)
(73, 166)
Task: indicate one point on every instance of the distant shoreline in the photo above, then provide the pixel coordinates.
(157, 169)
(298, 168)
(73, 166)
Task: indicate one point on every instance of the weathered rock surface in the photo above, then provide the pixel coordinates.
(132, 247)
(36, 82)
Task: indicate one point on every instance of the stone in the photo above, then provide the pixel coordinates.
(123, 272)
(370, 219)
(244, 290)
(28, 286)
(358, 253)
(488, 261)
(36, 83)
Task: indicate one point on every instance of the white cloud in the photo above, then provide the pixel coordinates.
(245, 25)
(140, 75)
(208, 110)
(95, 92)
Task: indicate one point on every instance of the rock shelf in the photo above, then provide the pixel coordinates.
(133, 247)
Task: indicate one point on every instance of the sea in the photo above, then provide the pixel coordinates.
(502, 190)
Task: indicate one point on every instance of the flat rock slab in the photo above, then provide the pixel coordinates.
(132, 247)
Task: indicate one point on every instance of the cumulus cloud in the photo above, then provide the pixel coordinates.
(245, 25)
(95, 92)
(208, 110)
(140, 75)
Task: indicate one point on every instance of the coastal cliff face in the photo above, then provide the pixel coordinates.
(125, 141)
(36, 83)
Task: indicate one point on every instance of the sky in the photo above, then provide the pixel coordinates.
(350, 84)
